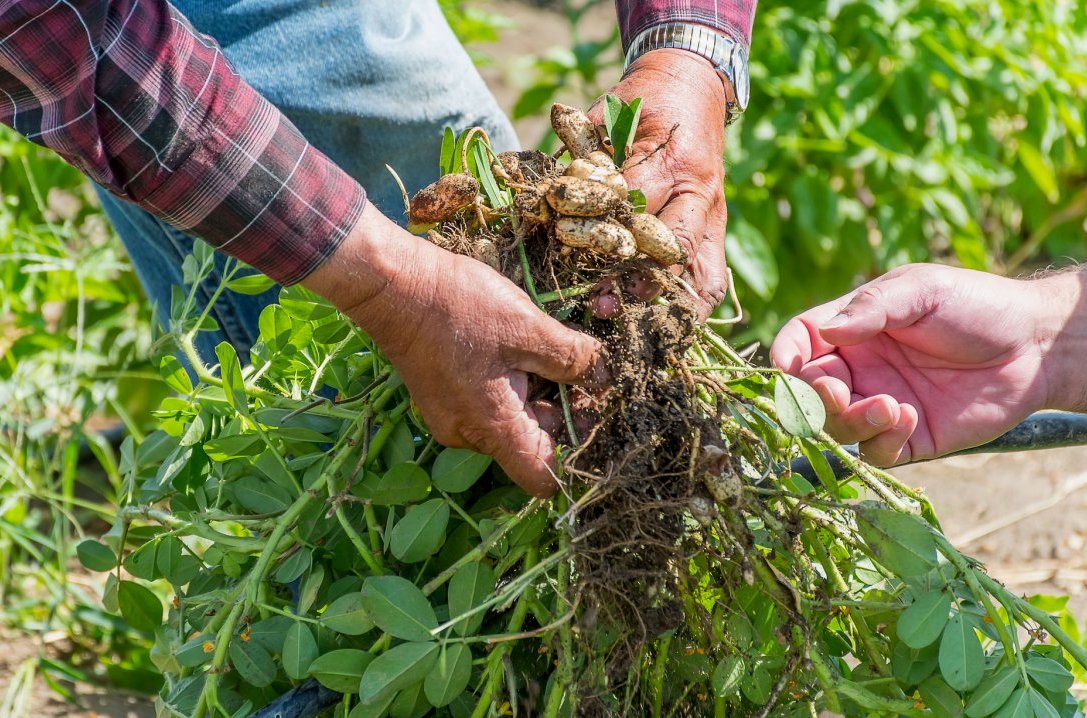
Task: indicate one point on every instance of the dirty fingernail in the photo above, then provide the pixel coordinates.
(836, 321)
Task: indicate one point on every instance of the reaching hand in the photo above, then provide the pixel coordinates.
(676, 158)
(927, 360)
(464, 339)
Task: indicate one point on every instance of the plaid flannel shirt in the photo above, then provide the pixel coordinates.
(732, 17)
(131, 94)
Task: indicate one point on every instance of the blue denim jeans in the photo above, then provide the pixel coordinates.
(368, 82)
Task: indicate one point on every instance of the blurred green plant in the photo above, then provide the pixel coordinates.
(73, 324)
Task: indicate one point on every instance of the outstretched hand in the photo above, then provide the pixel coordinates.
(676, 159)
(927, 359)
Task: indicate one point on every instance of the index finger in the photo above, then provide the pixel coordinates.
(799, 341)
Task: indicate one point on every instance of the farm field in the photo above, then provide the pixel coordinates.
(1023, 516)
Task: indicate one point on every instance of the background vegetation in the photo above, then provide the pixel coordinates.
(879, 133)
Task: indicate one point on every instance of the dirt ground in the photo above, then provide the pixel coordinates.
(1023, 515)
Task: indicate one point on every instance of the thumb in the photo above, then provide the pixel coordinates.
(882, 305)
(562, 355)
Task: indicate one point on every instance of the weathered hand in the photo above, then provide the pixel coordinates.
(676, 158)
(927, 360)
(464, 339)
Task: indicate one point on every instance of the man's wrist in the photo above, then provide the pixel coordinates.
(692, 72)
(1062, 335)
(366, 262)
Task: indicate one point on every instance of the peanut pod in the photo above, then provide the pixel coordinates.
(531, 206)
(602, 236)
(524, 166)
(575, 129)
(608, 176)
(576, 197)
(441, 200)
(654, 239)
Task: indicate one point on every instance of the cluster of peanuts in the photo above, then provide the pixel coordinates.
(585, 205)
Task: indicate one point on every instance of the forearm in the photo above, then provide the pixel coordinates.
(130, 94)
(1062, 332)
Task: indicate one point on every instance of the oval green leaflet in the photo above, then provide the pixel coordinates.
(421, 532)
(340, 670)
(962, 660)
(1017, 706)
(799, 408)
(299, 651)
(253, 662)
(398, 607)
(470, 586)
(992, 693)
(347, 615)
(901, 542)
(727, 676)
(456, 470)
(95, 556)
(924, 620)
(140, 608)
(450, 675)
(397, 668)
(1048, 675)
(402, 484)
(940, 698)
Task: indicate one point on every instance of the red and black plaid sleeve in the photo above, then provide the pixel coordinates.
(131, 94)
(732, 17)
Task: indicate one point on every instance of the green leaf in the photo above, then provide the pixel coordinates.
(962, 660)
(450, 675)
(96, 556)
(253, 662)
(470, 586)
(456, 470)
(992, 693)
(446, 159)
(752, 258)
(800, 410)
(1049, 675)
(140, 608)
(174, 374)
(1040, 170)
(901, 542)
(924, 621)
(176, 566)
(194, 652)
(421, 532)
(250, 284)
(821, 466)
(1018, 706)
(261, 496)
(299, 651)
(397, 668)
(347, 615)
(621, 123)
(637, 200)
(911, 666)
(402, 484)
(230, 371)
(341, 670)
(940, 698)
(398, 607)
(294, 566)
(727, 676)
(1041, 706)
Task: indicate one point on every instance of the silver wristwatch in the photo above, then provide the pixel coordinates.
(729, 57)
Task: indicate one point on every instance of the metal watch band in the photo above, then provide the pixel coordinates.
(729, 57)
